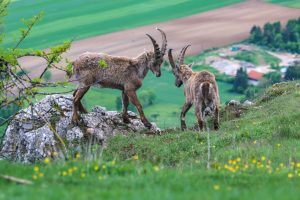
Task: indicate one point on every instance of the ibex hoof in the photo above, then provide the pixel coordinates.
(147, 124)
(75, 121)
(126, 120)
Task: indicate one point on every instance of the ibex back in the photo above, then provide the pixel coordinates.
(123, 73)
(200, 89)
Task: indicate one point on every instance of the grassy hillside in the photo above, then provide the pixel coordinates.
(78, 19)
(289, 3)
(255, 156)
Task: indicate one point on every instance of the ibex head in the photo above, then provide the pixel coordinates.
(179, 69)
(157, 58)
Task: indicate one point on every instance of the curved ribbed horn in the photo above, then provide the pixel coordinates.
(181, 55)
(173, 65)
(164, 42)
(156, 47)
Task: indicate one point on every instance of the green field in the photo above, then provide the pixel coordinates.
(252, 157)
(289, 3)
(69, 19)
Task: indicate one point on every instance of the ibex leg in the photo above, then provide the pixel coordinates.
(133, 98)
(125, 103)
(76, 103)
(185, 109)
(198, 113)
(216, 119)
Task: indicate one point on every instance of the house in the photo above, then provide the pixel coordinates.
(254, 77)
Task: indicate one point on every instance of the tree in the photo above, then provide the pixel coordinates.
(293, 72)
(47, 76)
(240, 83)
(17, 88)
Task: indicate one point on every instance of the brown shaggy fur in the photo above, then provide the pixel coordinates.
(200, 89)
(122, 73)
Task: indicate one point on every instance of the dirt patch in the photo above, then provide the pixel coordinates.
(205, 30)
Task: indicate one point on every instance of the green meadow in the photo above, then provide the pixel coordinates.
(289, 3)
(255, 156)
(77, 19)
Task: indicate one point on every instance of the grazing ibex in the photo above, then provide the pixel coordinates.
(122, 73)
(200, 89)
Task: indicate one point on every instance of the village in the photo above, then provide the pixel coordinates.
(253, 59)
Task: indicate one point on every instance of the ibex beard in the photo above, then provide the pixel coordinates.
(200, 90)
(122, 73)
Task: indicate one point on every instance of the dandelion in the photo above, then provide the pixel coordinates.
(135, 157)
(64, 173)
(263, 158)
(238, 159)
(34, 177)
(298, 165)
(254, 142)
(96, 167)
(156, 168)
(75, 168)
(46, 161)
(103, 166)
(290, 175)
(41, 174)
(298, 174)
(36, 169)
(216, 187)
(253, 161)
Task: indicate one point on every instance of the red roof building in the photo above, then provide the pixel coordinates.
(255, 75)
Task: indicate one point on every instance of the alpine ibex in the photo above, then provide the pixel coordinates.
(122, 73)
(200, 89)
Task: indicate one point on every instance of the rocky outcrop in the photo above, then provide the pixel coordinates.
(36, 132)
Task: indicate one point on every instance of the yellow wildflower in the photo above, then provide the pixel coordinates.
(46, 161)
(135, 157)
(36, 169)
(70, 171)
(75, 168)
(34, 177)
(290, 175)
(216, 187)
(263, 158)
(77, 155)
(281, 165)
(238, 159)
(103, 166)
(96, 167)
(156, 168)
(41, 174)
(278, 145)
(83, 175)
(298, 165)
(64, 173)
(113, 162)
(255, 141)
(253, 161)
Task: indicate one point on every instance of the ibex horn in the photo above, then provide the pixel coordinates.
(181, 55)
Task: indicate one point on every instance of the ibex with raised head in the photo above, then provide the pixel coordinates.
(200, 89)
(122, 73)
